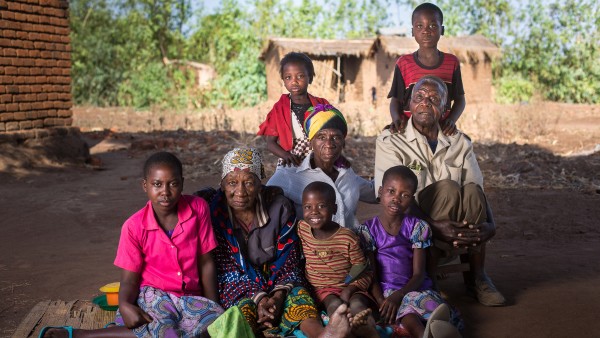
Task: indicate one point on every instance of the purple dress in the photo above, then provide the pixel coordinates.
(394, 254)
(394, 259)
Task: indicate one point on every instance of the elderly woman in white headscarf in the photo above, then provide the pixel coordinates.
(258, 256)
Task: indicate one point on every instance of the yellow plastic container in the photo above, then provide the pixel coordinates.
(112, 293)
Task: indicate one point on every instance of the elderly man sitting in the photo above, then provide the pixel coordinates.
(450, 189)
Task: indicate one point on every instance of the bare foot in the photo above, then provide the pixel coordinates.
(363, 324)
(339, 325)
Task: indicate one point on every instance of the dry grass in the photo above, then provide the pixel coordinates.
(519, 146)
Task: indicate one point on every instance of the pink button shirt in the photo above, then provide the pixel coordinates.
(169, 264)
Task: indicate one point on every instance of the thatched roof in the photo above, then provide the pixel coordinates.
(318, 47)
(468, 49)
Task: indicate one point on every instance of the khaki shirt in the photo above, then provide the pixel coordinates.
(453, 159)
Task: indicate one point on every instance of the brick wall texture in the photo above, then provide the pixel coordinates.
(35, 65)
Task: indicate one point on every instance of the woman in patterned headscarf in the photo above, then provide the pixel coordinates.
(326, 129)
(258, 255)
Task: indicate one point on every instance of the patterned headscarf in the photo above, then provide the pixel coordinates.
(248, 159)
(324, 116)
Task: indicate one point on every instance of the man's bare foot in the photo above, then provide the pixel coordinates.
(339, 325)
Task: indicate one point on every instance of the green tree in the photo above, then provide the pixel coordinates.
(551, 46)
(556, 46)
(118, 50)
(231, 39)
(96, 70)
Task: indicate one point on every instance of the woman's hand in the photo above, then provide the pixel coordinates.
(133, 316)
(270, 309)
(389, 309)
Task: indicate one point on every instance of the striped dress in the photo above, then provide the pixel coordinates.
(328, 261)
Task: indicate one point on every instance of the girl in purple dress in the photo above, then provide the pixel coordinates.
(397, 243)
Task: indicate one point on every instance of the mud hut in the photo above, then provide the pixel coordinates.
(362, 69)
(475, 53)
(343, 68)
(203, 74)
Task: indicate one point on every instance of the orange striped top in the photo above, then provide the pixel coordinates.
(328, 261)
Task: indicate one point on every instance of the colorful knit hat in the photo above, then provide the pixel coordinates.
(248, 159)
(324, 116)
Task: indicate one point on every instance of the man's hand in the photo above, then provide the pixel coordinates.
(485, 231)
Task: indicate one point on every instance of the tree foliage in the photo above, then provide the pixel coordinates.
(116, 51)
(557, 48)
(548, 46)
(120, 47)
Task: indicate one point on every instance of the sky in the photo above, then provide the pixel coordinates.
(210, 6)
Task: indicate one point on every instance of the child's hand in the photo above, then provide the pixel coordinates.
(133, 316)
(389, 309)
(291, 160)
(448, 127)
(390, 306)
(399, 125)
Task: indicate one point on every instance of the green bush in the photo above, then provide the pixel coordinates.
(513, 88)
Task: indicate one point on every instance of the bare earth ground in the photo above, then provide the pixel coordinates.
(61, 223)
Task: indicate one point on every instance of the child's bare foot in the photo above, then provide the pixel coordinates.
(339, 325)
(363, 324)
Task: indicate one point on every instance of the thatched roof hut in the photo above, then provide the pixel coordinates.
(468, 49)
(475, 53)
(362, 69)
(337, 63)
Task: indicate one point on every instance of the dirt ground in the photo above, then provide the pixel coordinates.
(61, 223)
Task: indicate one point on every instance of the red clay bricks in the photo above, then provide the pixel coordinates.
(35, 65)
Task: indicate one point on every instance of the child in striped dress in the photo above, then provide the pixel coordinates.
(331, 251)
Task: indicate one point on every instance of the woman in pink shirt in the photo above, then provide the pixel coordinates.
(168, 285)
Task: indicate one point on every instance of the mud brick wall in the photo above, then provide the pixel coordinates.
(35, 65)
